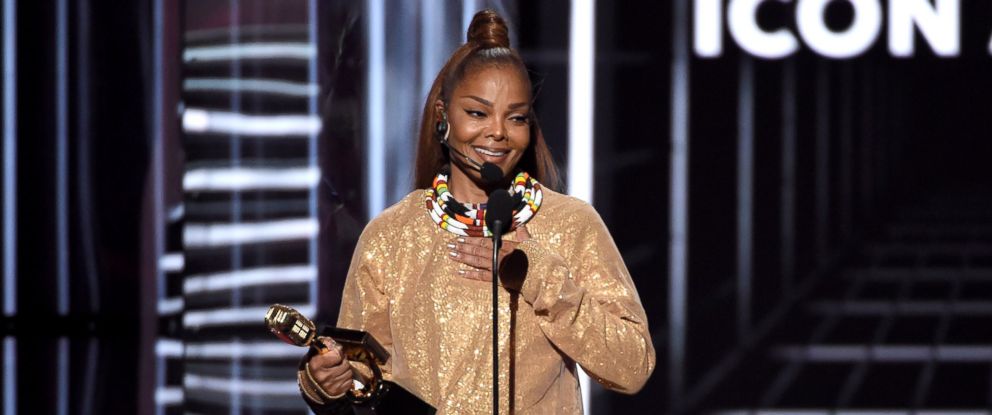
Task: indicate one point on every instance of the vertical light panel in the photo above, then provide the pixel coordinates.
(581, 100)
(234, 33)
(89, 380)
(375, 150)
(62, 383)
(9, 372)
(62, 154)
(158, 178)
(581, 96)
(83, 154)
(312, 108)
(62, 195)
(788, 189)
(234, 156)
(9, 200)
(469, 7)
(432, 44)
(158, 193)
(9, 162)
(679, 219)
(745, 184)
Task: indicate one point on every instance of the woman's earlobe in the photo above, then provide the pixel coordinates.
(439, 107)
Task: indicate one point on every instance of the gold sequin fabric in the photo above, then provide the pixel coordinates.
(577, 305)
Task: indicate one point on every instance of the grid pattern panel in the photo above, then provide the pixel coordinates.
(250, 126)
(902, 328)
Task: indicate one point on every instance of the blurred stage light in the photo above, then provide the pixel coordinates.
(245, 51)
(581, 128)
(263, 86)
(197, 120)
(200, 235)
(235, 316)
(249, 178)
(168, 348)
(678, 204)
(9, 183)
(241, 386)
(375, 108)
(196, 284)
(169, 396)
(170, 306)
(242, 350)
(9, 375)
(581, 99)
(173, 262)
(851, 353)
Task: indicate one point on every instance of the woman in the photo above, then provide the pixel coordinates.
(420, 278)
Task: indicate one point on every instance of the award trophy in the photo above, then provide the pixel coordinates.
(377, 396)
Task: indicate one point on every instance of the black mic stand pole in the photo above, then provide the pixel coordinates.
(497, 243)
(499, 213)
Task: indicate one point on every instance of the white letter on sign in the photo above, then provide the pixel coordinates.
(708, 22)
(851, 42)
(940, 26)
(744, 28)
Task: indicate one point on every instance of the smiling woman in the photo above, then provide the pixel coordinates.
(420, 276)
(484, 79)
(488, 115)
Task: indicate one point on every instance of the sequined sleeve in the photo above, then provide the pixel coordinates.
(364, 304)
(588, 305)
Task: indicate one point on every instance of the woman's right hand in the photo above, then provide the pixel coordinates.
(331, 371)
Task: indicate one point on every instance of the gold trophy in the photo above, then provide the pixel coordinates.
(377, 396)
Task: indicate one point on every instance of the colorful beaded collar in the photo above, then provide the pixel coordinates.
(468, 219)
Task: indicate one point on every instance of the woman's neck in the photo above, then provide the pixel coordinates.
(467, 190)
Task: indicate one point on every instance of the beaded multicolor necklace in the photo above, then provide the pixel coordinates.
(467, 219)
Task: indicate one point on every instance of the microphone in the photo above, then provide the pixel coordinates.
(499, 213)
(468, 159)
(491, 173)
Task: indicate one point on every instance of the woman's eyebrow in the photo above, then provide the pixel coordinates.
(481, 100)
(486, 102)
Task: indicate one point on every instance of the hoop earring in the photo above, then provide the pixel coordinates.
(442, 128)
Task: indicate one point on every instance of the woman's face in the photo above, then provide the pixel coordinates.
(489, 117)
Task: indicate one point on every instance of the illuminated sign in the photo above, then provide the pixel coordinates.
(938, 21)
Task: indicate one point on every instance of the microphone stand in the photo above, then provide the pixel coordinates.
(499, 213)
(497, 243)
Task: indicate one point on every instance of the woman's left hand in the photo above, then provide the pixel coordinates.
(477, 252)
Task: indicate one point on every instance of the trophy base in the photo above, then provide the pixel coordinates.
(393, 399)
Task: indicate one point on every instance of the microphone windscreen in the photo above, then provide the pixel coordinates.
(491, 173)
(499, 207)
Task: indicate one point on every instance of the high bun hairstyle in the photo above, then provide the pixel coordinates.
(488, 44)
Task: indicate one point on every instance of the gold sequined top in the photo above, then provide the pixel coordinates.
(577, 304)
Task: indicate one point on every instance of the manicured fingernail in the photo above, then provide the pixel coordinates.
(451, 246)
(461, 240)
(453, 253)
